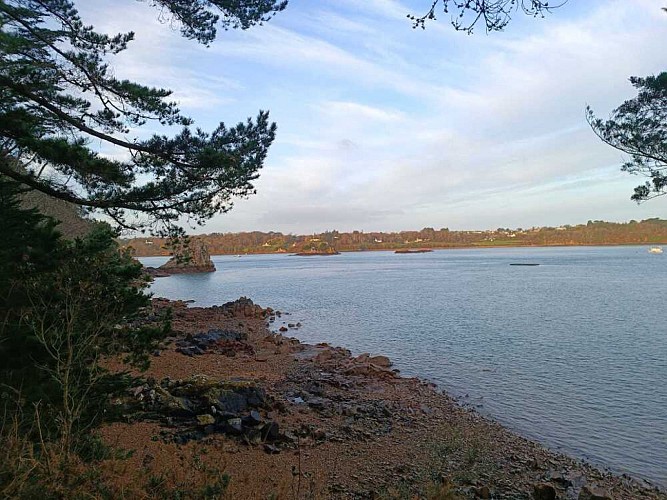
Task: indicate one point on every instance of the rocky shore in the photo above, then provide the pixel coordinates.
(233, 404)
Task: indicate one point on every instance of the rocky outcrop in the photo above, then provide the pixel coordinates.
(199, 406)
(189, 257)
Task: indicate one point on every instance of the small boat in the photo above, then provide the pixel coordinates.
(655, 250)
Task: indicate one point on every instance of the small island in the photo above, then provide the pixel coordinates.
(414, 250)
(315, 247)
(188, 257)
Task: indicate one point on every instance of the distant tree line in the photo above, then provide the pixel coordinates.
(649, 231)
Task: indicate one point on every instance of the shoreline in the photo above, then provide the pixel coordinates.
(434, 249)
(368, 431)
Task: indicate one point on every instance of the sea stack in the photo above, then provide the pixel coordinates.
(190, 256)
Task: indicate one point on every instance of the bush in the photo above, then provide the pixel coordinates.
(64, 305)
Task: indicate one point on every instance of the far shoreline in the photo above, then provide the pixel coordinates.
(434, 249)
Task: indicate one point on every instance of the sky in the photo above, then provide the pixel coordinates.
(386, 128)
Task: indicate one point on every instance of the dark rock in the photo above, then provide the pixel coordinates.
(318, 403)
(282, 329)
(271, 450)
(227, 342)
(217, 334)
(592, 493)
(234, 426)
(544, 491)
(270, 431)
(156, 273)
(252, 420)
(232, 402)
(190, 350)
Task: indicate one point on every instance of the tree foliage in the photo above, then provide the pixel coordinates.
(198, 19)
(494, 14)
(63, 305)
(61, 107)
(638, 127)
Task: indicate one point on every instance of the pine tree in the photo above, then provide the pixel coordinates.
(638, 128)
(58, 93)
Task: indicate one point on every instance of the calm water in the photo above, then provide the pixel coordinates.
(572, 353)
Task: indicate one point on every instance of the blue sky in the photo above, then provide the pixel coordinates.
(382, 127)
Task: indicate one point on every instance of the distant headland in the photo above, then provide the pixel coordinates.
(645, 232)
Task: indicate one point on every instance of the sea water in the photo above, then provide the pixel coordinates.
(571, 353)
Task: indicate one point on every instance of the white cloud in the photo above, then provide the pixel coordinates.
(383, 127)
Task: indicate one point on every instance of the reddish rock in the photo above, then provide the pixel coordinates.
(382, 361)
(591, 493)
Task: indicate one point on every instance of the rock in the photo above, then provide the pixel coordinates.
(559, 478)
(482, 492)
(271, 450)
(282, 329)
(382, 361)
(253, 419)
(189, 256)
(235, 426)
(544, 491)
(232, 402)
(253, 436)
(155, 273)
(270, 431)
(318, 403)
(171, 405)
(592, 493)
(205, 419)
